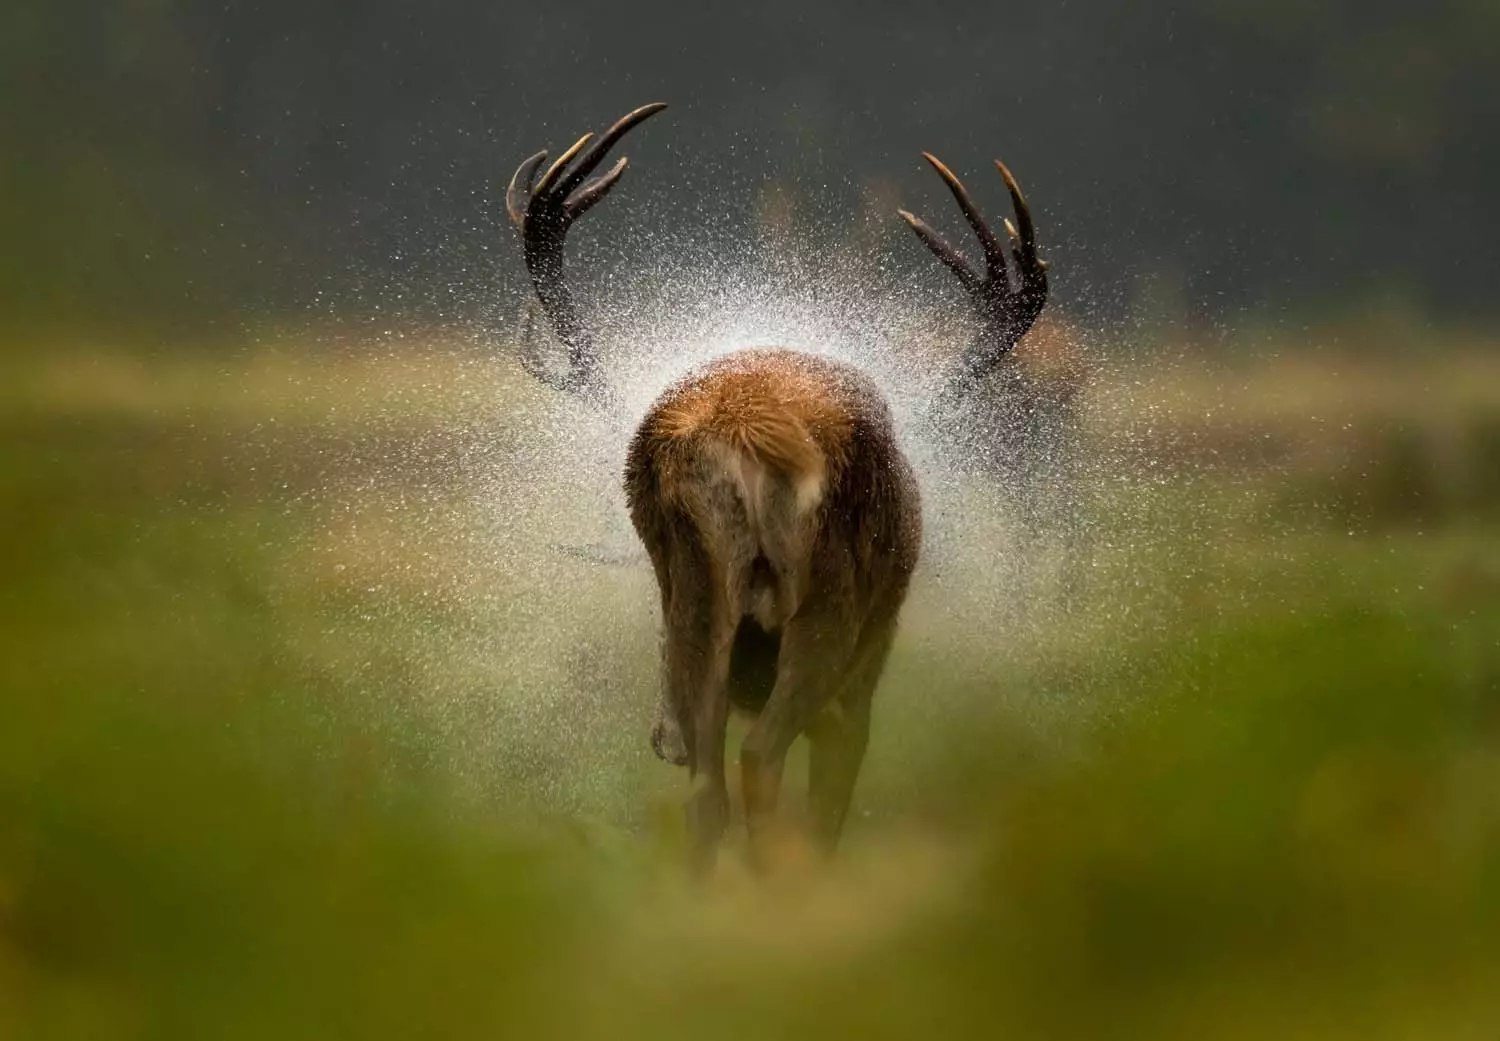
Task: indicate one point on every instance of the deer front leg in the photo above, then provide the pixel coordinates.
(815, 650)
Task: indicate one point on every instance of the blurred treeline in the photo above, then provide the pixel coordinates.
(166, 163)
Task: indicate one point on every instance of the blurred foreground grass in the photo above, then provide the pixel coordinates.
(304, 736)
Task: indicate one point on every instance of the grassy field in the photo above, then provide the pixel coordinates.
(327, 678)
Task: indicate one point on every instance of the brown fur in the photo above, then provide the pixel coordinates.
(781, 407)
(783, 523)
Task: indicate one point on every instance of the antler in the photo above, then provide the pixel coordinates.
(1007, 311)
(542, 213)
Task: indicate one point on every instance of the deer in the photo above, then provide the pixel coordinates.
(782, 521)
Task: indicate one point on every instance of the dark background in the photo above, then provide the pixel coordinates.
(170, 163)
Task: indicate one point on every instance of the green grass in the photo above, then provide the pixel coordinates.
(304, 736)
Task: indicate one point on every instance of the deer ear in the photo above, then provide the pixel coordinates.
(532, 343)
(600, 555)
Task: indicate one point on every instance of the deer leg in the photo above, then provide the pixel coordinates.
(699, 637)
(840, 734)
(814, 652)
(838, 738)
(708, 806)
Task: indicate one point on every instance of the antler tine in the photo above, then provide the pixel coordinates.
(556, 168)
(952, 259)
(1027, 231)
(595, 155)
(521, 181)
(543, 218)
(1006, 307)
(993, 253)
(584, 199)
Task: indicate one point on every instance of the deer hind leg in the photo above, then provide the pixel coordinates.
(839, 735)
(698, 642)
(708, 561)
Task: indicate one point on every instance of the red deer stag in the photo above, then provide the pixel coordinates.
(780, 516)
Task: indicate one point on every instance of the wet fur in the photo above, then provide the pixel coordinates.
(783, 524)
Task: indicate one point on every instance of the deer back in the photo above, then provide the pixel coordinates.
(780, 457)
